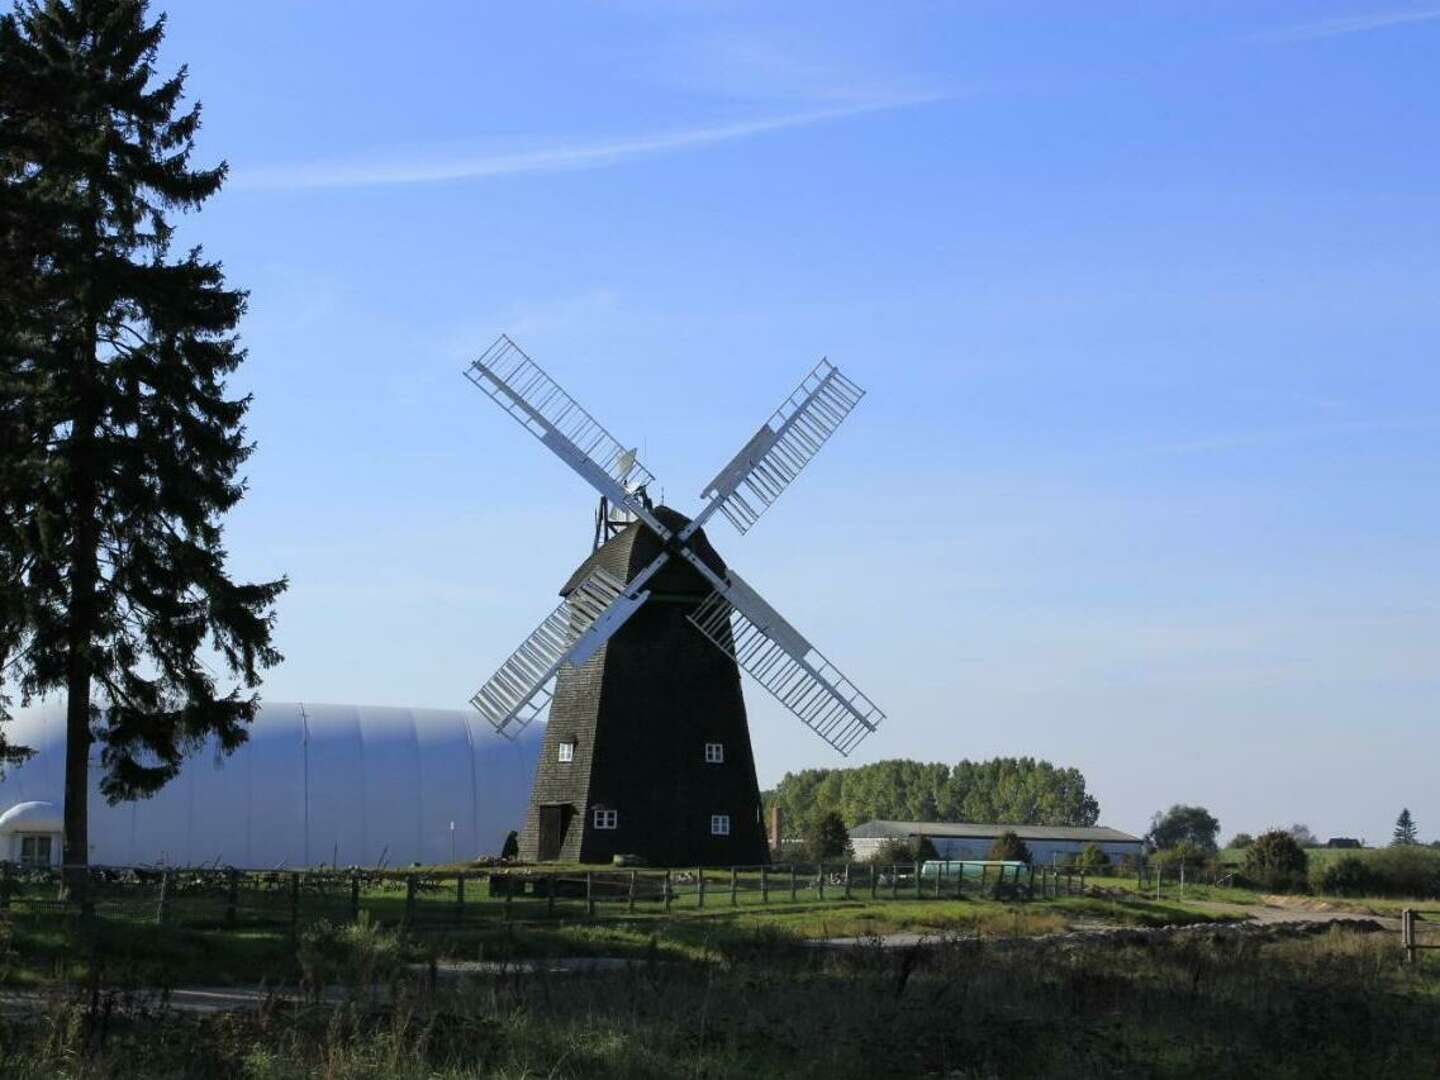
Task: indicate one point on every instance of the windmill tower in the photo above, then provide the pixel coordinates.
(647, 750)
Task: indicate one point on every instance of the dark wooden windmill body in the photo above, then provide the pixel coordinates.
(647, 750)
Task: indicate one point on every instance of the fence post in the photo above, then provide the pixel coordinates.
(874, 882)
(984, 878)
(940, 877)
(232, 891)
(895, 881)
(1407, 934)
(630, 905)
(7, 872)
(792, 882)
(164, 890)
(589, 892)
(667, 891)
(847, 881)
(460, 898)
(409, 899)
(550, 894)
(700, 887)
(764, 885)
(916, 868)
(294, 898)
(354, 896)
(734, 881)
(1032, 881)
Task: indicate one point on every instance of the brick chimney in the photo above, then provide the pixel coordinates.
(777, 819)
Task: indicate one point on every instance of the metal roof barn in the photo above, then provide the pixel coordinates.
(314, 784)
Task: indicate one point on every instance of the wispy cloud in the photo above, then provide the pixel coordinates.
(1241, 440)
(1351, 24)
(556, 158)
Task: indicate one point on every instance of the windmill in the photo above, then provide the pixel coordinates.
(647, 750)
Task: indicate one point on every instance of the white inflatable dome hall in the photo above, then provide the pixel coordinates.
(352, 785)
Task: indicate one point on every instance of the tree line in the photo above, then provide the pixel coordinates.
(1006, 791)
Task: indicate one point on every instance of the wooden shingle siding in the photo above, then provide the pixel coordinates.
(640, 712)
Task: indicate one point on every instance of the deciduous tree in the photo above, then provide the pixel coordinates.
(1184, 824)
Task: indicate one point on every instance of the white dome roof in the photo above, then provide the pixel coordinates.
(313, 784)
(42, 817)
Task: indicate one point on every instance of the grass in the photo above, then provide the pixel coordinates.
(46, 951)
(1338, 1005)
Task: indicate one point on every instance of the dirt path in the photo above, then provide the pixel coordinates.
(1273, 913)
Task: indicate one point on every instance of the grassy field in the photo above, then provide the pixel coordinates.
(1339, 1005)
(42, 950)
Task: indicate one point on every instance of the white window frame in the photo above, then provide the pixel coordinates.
(719, 824)
(566, 753)
(714, 753)
(605, 819)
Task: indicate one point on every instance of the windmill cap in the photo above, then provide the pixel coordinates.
(633, 548)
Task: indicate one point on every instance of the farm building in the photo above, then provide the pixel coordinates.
(966, 840)
(354, 785)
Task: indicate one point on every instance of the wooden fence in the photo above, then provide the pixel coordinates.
(203, 897)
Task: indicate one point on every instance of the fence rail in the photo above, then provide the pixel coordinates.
(207, 897)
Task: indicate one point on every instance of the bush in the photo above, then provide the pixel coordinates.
(827, 838)
(1241, 840)
(1349, 876)
(511, 848)
(897, 852)
(1406, 871)
(1276, 862)
(1009, 847)
(1092, 857)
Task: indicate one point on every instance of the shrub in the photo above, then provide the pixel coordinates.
(897, 851)
(1349, 876)
(1276, 862)
(1009, 847)
(511, 848)
(1241, 840)
(827, 838)
(1092, 857)
(1406, 871)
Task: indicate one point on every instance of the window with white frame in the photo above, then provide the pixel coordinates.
(719, 824)
(35, 851)
(607, 819)
(714, 753)
(567, 750)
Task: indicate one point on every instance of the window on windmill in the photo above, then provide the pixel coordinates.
(714, 753)
(567, 750)
(606, 819)
(719, 824)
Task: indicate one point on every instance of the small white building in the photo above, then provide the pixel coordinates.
(967, 840)
(30, 834)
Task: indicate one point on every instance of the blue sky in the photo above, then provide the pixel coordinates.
(1144, 298)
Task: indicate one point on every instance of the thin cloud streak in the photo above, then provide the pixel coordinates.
(1241, 440)
(562, 158)
(1351, 24)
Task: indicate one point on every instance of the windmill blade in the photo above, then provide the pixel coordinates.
(521, 387)
(572, 633)
(774, 456)
(738, 620)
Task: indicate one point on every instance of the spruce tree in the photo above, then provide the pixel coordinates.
(120, 449)
(1405, 831)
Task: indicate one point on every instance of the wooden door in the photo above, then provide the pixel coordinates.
(552, 831)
